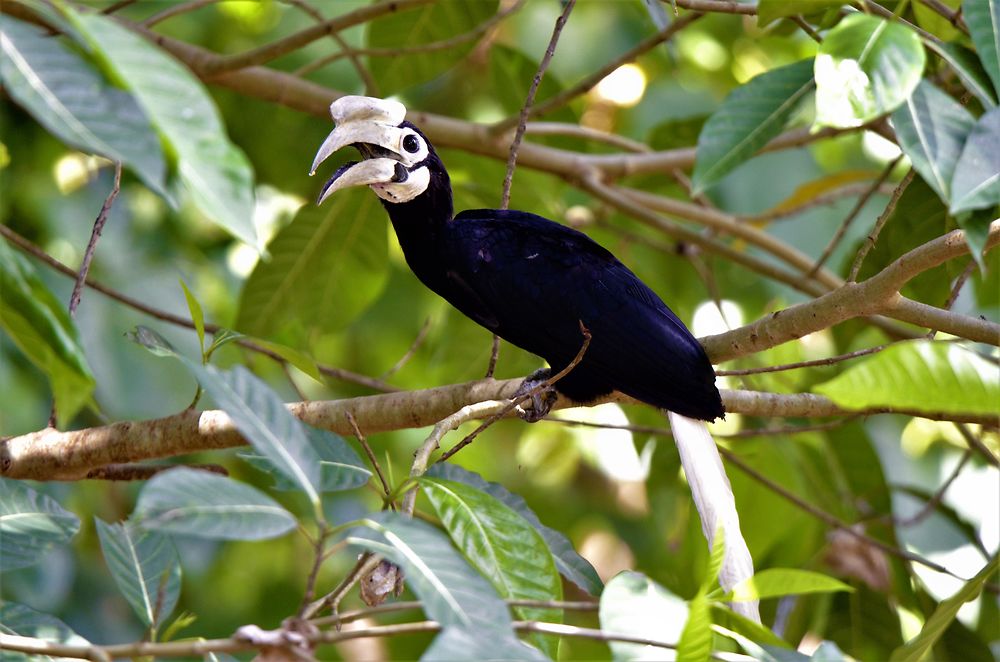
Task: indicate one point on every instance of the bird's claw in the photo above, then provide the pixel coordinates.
(541, 401)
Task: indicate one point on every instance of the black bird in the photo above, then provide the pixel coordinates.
(533, 282)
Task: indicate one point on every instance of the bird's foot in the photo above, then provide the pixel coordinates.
(541, 401)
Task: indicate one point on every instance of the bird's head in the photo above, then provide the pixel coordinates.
(399, 163)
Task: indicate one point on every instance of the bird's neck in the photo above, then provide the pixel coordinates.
(419, 225)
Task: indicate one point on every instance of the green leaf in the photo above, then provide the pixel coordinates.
(41, 328)
(769, 11)
(31, 524)
(976, 225)
(695, 643)
(197, 316)
(435, 22)
(745, 627)
(634, 605)
(152, 341)
(502, 545)
(205, 505)
(776, 582)
(573, 567)
(215, 172)
(983, 19)
(340, 467)
(751, 115)
(969, 69)
(865, 67)
(300, 360)
(327, 266)
(451, 592)
(977, 175)
(918, 647)
(932, 128)
(920, 376)
(26, 622)
(762, 652)
(75, 103)
(262, 418)
(145, 567)
(223, 337)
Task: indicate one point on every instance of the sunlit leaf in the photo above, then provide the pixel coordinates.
(326, 267)
(776, 582)
(917, 648)
(573, 567)
(215, 171)
(450, 591)
(771, 10)
(932, 128)
(197, 316)
(751, 115)
(41, 328)
(340, 466)
(865, 67)
(634, 605)
(146, 568)
(502, 545)
(205, 505)
(262, 418)
(24, 621)
(983, 19)
(31, 525)
(976, 183)
(73, 101)
(921, 376)
(435, 22)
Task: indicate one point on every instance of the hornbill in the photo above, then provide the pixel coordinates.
(533, 282)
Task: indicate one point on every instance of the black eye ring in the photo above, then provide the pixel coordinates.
(411, 144)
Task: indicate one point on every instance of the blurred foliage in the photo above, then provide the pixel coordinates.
(361, 309)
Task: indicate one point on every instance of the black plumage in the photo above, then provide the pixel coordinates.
(532, 281)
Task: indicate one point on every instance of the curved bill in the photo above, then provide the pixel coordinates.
(371, 171)
(358, 131)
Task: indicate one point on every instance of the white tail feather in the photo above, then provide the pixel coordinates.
(713, 497)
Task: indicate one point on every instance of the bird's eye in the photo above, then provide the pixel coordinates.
(411, 144)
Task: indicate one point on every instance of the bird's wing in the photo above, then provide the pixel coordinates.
(540, 279)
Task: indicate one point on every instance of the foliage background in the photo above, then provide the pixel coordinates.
(865, 470)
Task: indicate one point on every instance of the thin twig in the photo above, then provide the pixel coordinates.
(872, 237)
(833, 195)
(95, 234)
(368, 451)
(954, 16)
(544, 386)
(977, 445)
(491, 368)
(956, 289)
(853, 214)
(808, 29)
(717, 6)
(366, 563)
(337, 373)
(586, 133)
(404, 359)
(529, 100)
(177, 10)
(585, 85)
(121, 4)
(318, 557)
(931, 505)
(831, 360)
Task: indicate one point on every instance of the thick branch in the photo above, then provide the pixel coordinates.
(53, 455)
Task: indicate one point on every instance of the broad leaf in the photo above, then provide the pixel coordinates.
(865, 67)
(26, 622)
(983, 19)
(73, 101)
(573, 567)
(502, 545)
(31, 524)
(340, 467)
(435, 22)
(969, 69)
(262, 418)
(633, 604)
(326, 267)
(976, 225)
(145, 567)
(769, 11)
(917, 648)
(205, 505)
(451, 592)
(751, 115)
(776, 582)
(920, 376)
(932, 128)
(977, 175)
(214, 171)
(41, 328)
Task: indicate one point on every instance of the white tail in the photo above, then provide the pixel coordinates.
(713, 497)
